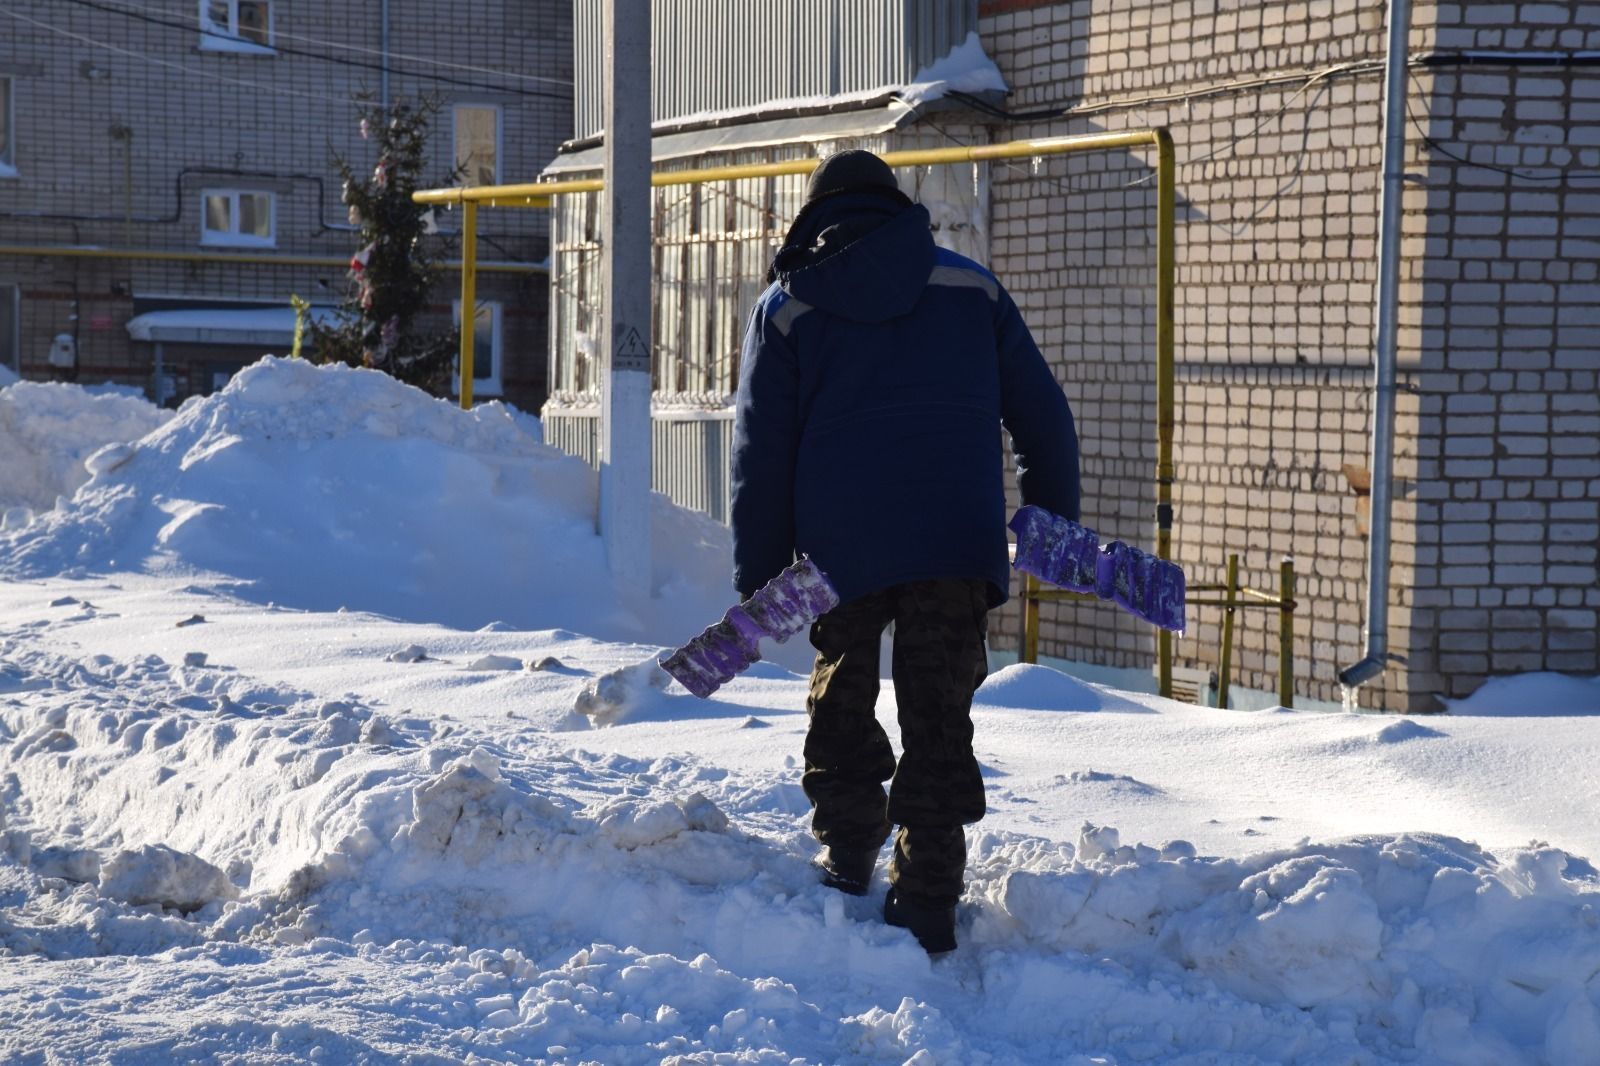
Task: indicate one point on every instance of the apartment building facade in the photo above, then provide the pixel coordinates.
(167, 174)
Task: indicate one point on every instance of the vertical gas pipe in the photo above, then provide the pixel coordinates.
(1166, 371)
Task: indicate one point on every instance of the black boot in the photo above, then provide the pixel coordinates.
(933, 924)
(848, 869)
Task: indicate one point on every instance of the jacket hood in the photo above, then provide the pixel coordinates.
(879, 269)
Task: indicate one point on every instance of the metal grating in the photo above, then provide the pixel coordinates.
(689, 450)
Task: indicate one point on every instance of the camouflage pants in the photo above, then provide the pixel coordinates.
(939, 660)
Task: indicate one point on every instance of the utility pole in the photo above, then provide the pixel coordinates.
(625, 389)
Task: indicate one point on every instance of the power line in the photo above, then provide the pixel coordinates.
(1563, 173)
(392, 55)
(186, 28)
(175, 66)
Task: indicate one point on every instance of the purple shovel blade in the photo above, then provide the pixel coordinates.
(1146, 586)
(1063, 553)
(1054, 549)
(779, 609)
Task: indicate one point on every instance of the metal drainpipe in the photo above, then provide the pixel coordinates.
(1394, 148)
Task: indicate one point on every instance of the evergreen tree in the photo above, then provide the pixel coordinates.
(394, 270)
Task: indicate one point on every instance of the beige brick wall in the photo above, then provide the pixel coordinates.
(1503, 323)
(1278, 184)
(278, 118)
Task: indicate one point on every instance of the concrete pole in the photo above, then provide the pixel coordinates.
(625, 385)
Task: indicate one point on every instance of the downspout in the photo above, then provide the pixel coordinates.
(383, 21)
(1378, 547)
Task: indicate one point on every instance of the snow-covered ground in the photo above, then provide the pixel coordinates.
(324, 737)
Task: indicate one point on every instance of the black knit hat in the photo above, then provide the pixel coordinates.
(853, 170)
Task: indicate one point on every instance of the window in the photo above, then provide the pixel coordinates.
(11, 327)
(8, 122)
(236, 26)
(238, 218)
(486, 350)
(477, 130)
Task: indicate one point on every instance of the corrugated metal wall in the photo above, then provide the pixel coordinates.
(690, 449)
(715, 55)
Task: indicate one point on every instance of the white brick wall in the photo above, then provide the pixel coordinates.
(1499, 423)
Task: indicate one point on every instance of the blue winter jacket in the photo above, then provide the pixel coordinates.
(873, 386)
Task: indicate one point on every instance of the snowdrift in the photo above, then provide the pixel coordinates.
(329, 487)
(305, 835)
(47, 431)
(630, 909)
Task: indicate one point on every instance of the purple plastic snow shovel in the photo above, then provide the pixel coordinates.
(779, 609)
(1063, 553)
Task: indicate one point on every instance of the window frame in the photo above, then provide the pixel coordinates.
(455, 137)
(8, 123)
(215, 38)
(493, 385)
(234, 238)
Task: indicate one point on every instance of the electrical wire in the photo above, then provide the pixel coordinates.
(392, 55)
(176, 66)
(1177, 97)
(1306, 83)
(1565, 174)
(357, 64)
(1429, 60)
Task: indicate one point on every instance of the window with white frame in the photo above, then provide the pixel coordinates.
(238, 218)
(486, 348)
(11, 327)
(236, 26)
(8, 123)
(477, 137)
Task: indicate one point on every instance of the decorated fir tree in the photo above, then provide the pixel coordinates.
(394, 270)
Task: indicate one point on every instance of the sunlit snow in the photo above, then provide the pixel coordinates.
(324, 736)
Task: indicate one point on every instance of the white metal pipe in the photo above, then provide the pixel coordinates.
(1376, 658)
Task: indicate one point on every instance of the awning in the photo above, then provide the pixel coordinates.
(805, 129)
(266, 327)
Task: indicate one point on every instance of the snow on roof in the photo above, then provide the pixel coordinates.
(263, 326)
(966, 68)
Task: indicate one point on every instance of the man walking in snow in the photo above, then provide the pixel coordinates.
(877, 373)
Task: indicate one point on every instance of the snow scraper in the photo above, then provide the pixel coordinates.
(1048, 546)
(779, 609)
(1062, 552)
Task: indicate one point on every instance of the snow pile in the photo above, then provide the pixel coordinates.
(48, 431)
(1039, 688)
(304, 834)
(7, 376)
(966, 69)
(1532, 695)
(330, 487)
(625, 909)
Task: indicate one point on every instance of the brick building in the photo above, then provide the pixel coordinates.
(167, 176)
(1276, 113)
